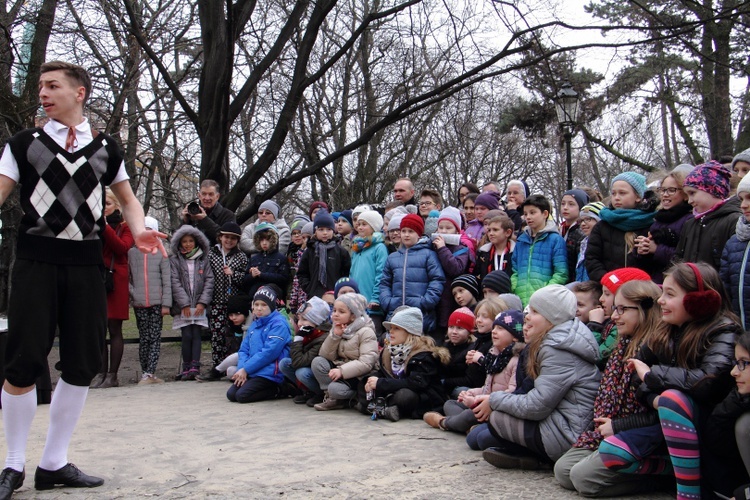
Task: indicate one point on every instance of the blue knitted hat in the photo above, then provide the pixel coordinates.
(636, 181)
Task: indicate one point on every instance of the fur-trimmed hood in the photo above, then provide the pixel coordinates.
(274, 237)
(200, 239)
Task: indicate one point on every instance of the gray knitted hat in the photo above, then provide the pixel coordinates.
(356, 303)
(315, 310)
(272, 206)
(554, 302)
(742, 156)
(408, 318)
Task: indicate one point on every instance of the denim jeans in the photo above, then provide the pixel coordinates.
(304, 375)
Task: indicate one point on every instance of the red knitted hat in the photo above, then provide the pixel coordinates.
(615, 279)
(462, 318)
(413, 222)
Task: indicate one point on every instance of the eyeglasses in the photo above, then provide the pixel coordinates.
(741, 364)
(621, 309)
(668, 191)
(426, 203)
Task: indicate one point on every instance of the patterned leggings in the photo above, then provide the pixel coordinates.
(217, 321)
(149, 321)
(677, 415)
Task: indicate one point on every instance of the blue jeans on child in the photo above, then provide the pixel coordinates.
(304, 375)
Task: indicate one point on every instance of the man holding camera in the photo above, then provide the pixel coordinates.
(206, 213)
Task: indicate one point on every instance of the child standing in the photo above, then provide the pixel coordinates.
(345, 230)
(192, 289)
(151, 294)
(412, 275)
(313, 326)
(540, 257)
(228, 264)
(267, 266)
(297, 295)
(368, 259)
(611, 242)
(409, 375)
(588, 218)
(347, 354)
(545, 422)
(571, 205)
(454, 258)
(498, 253)
(266, 343)
(714, 220)
(323, 262)
(734, 259)
(500, 366)
(685, 371)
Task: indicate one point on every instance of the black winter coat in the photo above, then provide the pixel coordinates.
(337, 266)
(703, 240)
(606, 250)
(274, 268)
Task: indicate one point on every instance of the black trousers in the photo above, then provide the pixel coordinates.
(48, 297)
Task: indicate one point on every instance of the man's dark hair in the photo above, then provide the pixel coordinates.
(76, 73)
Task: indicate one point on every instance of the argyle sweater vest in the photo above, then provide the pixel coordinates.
(62, 197)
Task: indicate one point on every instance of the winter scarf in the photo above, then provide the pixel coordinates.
(627, 219)
(616, 397)
(495, 363)
(321, 250)
(399, 353)
(359, 243)
(669, 215)
(743, 229)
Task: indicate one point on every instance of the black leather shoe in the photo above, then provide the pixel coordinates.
(10, 481)
(70, 475)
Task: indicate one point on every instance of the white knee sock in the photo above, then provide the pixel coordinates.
(64, 412)
(18, 413)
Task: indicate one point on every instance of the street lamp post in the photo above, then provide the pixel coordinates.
(566, 105)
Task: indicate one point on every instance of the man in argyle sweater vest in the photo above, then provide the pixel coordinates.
(57, 281)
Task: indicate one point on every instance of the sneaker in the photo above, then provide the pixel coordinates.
(502, 460)
(191, 374)
(331, 404)
(391, 413)
(146, 379)
(434, 419)
(210, 376)
(314, 400)
(301, 399)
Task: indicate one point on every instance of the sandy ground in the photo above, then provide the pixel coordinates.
(185, 440)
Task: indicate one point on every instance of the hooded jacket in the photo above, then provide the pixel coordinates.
(272, 264)
(265, 344)
(183, 295)
(562, 399)
(538, 261)
(247, 241)
(413, 277)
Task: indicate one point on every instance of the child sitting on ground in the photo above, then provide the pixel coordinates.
(460, 339)
(313, 325)
(267, 342)
(238, 314)
(465, 291)
(409, 374)
(347, 354)
(588, 294)
(192, 288)
(485, 313)
(500, 365)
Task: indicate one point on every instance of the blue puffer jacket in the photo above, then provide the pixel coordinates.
(734, 271)
(413, 277)
(265, 344)
(539, 261)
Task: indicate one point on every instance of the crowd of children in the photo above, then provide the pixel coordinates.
(604, 348)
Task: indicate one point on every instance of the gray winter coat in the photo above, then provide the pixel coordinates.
(150, 279)
(203, 277)
(562, 400)
(247, 244)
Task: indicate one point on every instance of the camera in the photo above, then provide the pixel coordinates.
(376, 405)
(194, 208)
